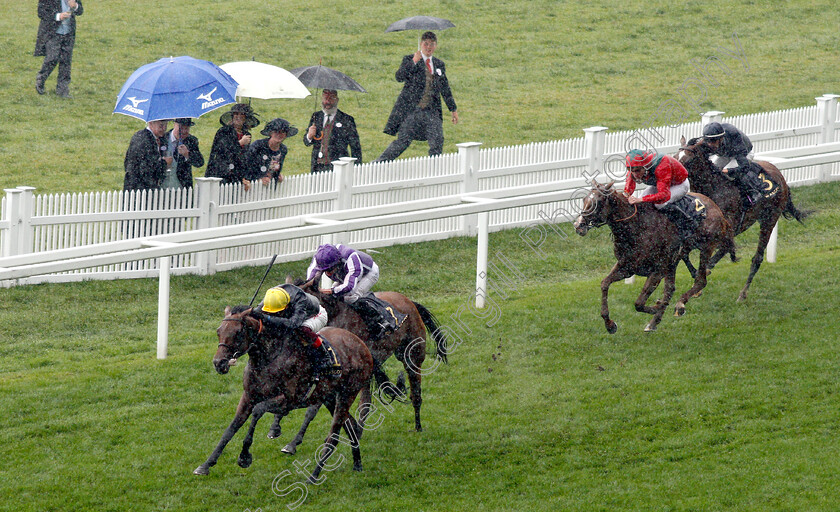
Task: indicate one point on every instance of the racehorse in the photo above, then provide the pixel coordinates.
(647, 243)
(278, 379)
(706, 179)
(407, 344)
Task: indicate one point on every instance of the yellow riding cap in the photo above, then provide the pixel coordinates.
(276, 299)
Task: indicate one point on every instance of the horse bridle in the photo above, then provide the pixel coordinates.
(237, 354)
(591, 224)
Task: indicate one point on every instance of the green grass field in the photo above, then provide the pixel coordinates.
(520, 71)
(732, 407)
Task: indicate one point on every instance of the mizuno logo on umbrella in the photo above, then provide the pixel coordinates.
(133, 106)
(208, 99)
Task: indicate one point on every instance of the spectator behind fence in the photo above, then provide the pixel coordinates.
(331, 132)
(266, 156)
(145, 163)
(55, 42)
(184, 150)
(417, 114)
(230, 146)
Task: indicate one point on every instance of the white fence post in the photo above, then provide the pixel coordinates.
(11, 242)
(468, 162)
(343, 169)
(712, 116)
(481, 260)
(163, 306)
(826, 117)
(207, 196)
(26, 232)
(771, 244)
(595, 140)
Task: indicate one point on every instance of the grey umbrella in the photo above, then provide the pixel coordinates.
(420, 23)
(322, 77)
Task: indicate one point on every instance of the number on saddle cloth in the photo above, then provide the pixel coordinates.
(767, 186)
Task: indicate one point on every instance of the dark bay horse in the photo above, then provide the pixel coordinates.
(646, 243)
(407, 344)
(706, 179)
(278, 379)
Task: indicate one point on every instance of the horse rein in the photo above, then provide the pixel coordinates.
(592, 224)
(238, 354)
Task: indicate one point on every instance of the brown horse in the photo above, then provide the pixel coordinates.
(278, 379)
(706, 179)
(647, 243)
(407, 344)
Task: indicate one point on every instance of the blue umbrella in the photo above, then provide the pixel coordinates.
(175, 87)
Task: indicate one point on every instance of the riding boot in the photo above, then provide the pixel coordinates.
(317, 356)
(372, 318)
(683, 222)
(754, 185)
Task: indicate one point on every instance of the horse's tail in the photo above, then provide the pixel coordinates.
(432, 325)
(791, 212)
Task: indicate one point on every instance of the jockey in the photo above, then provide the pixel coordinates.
(728, 143)
(287, 306)
(355, 273)
(667, 182)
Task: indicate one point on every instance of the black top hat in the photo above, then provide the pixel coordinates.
(279, 125)
(185, 121)
(241, 108)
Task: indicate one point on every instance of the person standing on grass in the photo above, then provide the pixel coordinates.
(331, 132)
(55, 41)
(230, 146)
(185, 153)
(417, 113)
(266, 156)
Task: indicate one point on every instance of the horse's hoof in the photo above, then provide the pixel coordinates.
(742, 297)
(245, 461)
(274, 433)
(679, 311)
(650, 328)
(357, 467)
(201, 470)
(612, 328)
(289, 448)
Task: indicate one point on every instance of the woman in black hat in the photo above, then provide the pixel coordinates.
(266, 156)
(227, 156)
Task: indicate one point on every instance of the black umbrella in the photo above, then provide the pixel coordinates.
(420, 23)
(322, 77)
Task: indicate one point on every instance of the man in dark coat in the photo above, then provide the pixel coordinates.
(230, 145)
(144, 163)
(185, 151)
(331, 132)
(56, 38)
(417, 114)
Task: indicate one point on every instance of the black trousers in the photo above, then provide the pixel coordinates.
(59, 51)
(420, 124)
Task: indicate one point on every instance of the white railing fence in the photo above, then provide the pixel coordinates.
(803, 142)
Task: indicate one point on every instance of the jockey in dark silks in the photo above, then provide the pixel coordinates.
(287, 306)
(667, 182)
(730, 143)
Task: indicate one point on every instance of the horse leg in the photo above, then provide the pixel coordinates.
(766, 225)
(662, 304)
(242, 413)
(245, 458)
(699, 283)
(647, 289)
(341, 411)
(616, 274)
(688, 265)
(275, 430)
(416, 355)
(311, 411)
(365, 405)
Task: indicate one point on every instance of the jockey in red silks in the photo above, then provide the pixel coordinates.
(667, 182)
(666, 178)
